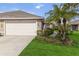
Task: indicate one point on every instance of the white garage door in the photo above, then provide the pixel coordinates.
(21, 28)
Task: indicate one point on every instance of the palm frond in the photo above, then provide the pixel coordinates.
(67, 11)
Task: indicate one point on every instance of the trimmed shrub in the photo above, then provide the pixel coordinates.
(47, 32)
(40, 32)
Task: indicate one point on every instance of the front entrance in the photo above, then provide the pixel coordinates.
(2, 27)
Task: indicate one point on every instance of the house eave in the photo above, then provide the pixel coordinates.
(33, 18)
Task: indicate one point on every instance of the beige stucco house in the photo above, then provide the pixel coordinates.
(19, 23)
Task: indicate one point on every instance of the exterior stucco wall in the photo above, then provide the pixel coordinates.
(39, 25)
(2, 27)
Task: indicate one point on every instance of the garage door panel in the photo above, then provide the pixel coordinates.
(21, 29)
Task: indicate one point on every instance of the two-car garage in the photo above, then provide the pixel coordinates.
(21, 27)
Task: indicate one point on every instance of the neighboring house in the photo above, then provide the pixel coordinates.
(19, 23)
(75, 25)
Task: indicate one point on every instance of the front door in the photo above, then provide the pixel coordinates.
(1, 27)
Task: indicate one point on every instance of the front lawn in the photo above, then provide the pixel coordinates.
(42, 48)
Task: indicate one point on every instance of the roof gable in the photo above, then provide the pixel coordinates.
(19, 14)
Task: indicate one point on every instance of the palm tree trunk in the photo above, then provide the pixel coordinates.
(62, 30)
(65, 37)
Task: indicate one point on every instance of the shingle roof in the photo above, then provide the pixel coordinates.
(18, 15)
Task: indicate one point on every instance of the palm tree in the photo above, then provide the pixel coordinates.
(61, 15)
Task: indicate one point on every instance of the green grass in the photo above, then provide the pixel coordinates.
(41, 48)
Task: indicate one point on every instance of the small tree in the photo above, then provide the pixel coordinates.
(62, 15)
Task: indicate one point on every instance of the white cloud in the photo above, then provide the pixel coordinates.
(39, 6)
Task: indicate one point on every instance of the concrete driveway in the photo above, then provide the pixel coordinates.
(13, 45)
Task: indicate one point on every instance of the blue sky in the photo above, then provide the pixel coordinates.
(35, 8)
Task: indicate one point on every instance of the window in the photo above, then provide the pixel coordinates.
(1, 25)
(74, 27)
